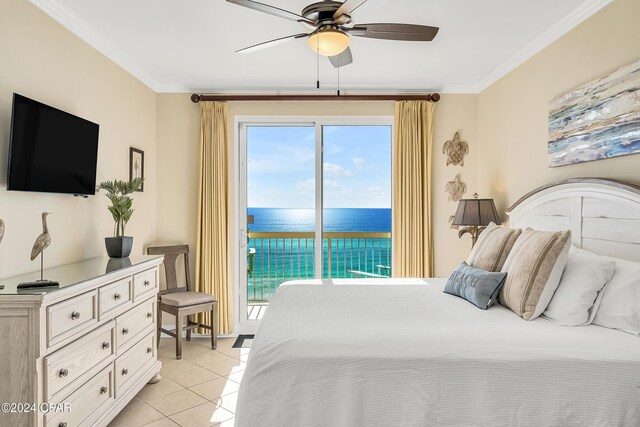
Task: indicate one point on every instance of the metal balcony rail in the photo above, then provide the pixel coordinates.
(276, 257)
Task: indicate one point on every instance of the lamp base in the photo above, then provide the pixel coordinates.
(473, 230)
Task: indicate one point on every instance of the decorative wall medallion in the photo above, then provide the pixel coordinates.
(456, 189)
(455, 149)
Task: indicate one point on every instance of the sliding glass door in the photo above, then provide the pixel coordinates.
(315, 202)
(356, 193)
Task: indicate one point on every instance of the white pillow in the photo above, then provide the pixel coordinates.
(584, 276)
(620, 306)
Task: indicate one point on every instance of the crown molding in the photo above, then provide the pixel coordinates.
(235, 89)
(452, 89)
(94, 39)
(569, 22)
(459, 89)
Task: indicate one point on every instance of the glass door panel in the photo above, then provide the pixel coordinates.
(356, 190)
(280, 211)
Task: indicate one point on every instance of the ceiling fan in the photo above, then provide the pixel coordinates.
(332, 25)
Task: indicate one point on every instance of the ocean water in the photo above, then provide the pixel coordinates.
(276, 219)
(275, 260)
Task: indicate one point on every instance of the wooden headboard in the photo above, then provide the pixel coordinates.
(603, 215)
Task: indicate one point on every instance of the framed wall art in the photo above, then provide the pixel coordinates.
(136, 165)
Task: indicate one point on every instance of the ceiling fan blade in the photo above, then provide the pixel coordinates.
(406, 32)
(272, 10)
(270, 43)
(342, 59)
(343, 14)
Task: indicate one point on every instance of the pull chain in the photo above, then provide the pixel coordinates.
(318, 62)
(339, 64)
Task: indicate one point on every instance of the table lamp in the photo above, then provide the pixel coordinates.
(474, 215)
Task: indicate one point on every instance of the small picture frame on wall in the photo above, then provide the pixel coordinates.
(136, 165)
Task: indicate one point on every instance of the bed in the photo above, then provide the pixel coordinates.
(393, 352)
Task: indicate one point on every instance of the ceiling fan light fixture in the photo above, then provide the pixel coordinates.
(328, 41)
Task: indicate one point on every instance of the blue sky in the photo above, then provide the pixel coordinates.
(357, 166)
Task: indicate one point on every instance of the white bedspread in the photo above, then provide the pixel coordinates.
(381, 354)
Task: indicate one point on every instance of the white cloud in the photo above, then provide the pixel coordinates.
(359, 162)
(375, 192)
(306, 185)
(331, 169)
(330, 183)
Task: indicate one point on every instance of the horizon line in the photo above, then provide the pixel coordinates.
(268, 207)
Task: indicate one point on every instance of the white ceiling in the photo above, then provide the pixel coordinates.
(185, 46)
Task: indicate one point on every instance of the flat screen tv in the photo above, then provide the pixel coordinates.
(50, 150)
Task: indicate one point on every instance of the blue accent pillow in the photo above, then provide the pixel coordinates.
(479, 287)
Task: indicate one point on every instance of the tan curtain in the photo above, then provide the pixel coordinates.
(212, 246)
(412, 243)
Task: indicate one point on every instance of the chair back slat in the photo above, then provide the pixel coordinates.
(171, 255)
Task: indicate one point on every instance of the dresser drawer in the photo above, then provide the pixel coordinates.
(115, 296)
(145, 283)
(70, 316)
(85, 401)
(131, 323)
(129, 364)
(64, 367)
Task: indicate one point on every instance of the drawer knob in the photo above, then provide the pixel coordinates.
(117, 296)
(147, 283)
(62, 424)
(75, 315)
(125, 371)
(103, 390)
(125, 331)
(149, 315)
(63, 373)
(149, 349)
(105, 345)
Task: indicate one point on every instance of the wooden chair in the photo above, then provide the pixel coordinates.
(182, 301)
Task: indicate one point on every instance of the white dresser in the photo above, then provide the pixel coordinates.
(75, 356)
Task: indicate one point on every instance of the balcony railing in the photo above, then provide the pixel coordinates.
(275, 257)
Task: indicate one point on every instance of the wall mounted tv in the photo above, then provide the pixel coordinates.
(51, 151)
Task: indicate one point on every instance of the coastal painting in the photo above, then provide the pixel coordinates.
(598, 120)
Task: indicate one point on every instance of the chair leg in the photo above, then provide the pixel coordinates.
(178, 336)
(159, 325)
(214, 338)
(188, 330)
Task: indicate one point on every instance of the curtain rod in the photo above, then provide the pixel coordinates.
(433, 97)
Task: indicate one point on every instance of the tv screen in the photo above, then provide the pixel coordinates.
(50, 150)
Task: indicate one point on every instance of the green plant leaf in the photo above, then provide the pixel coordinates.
(121, 208)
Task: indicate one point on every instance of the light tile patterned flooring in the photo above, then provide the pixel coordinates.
(199, 390)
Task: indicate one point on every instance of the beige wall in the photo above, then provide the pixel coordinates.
(454, 113)
(42, 60)
(513, 112)
(178, 135)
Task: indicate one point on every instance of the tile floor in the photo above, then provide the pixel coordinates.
(199, 390)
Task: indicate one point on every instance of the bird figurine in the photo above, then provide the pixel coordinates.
(1, 230)
(41, 243)
(43, 240)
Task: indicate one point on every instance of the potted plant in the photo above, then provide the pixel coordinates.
(119, 246)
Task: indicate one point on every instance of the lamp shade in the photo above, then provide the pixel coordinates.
(328, 41)
(478, 212)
